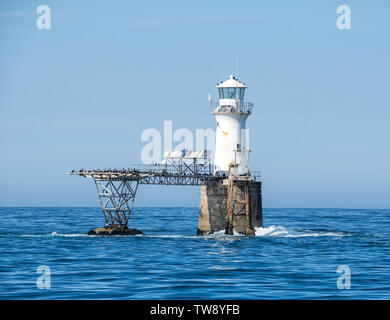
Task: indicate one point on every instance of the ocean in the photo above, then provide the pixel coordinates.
(295, 256)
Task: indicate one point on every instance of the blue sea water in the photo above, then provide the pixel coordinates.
(295, 256)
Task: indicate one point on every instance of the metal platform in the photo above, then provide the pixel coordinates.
(117, 188)
(167, 175)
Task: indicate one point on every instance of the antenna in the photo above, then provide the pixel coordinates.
(237, 67)
(210, 100)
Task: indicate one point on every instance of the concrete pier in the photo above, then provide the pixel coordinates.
(230, 204)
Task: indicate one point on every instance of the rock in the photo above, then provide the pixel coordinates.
(114, 231)
(200, 232)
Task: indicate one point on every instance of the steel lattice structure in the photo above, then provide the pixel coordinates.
(117, 188)
(116, 199)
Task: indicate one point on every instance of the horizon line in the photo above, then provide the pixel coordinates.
(167, 207)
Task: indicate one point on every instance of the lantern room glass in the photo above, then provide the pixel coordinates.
(231, 93)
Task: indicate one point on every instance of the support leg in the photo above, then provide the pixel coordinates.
(116, 199)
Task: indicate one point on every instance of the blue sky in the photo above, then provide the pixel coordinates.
(80, 95)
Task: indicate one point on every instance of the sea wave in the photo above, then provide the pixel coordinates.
(271, 231)
(280, 231)
(56, 234)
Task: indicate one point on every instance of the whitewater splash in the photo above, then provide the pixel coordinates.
(55, 234)
(271, 231)
(280, 231)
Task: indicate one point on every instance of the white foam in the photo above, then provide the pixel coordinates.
(55, 234)
(280, 231)
(271, 231)
(221, 268)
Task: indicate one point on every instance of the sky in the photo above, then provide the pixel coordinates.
(80, 95)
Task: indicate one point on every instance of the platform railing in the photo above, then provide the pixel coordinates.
(255, 175)
(238, 106)
(198, 169)
(161, 170)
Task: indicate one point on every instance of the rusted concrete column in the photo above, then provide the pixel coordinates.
(230, 208)
(249, 228)
(212, 208)
(233, 204)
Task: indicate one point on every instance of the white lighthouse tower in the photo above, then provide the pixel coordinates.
(232, 138)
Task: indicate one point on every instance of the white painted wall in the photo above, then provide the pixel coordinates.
(228, 136)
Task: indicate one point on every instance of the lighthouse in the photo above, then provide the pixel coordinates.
(232, 203)
(230, 193)
(232, 139)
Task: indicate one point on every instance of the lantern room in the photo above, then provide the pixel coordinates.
(231, 89)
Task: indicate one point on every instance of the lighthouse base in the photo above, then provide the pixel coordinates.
(232, 204)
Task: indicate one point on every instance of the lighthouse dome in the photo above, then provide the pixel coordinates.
(232, 82)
